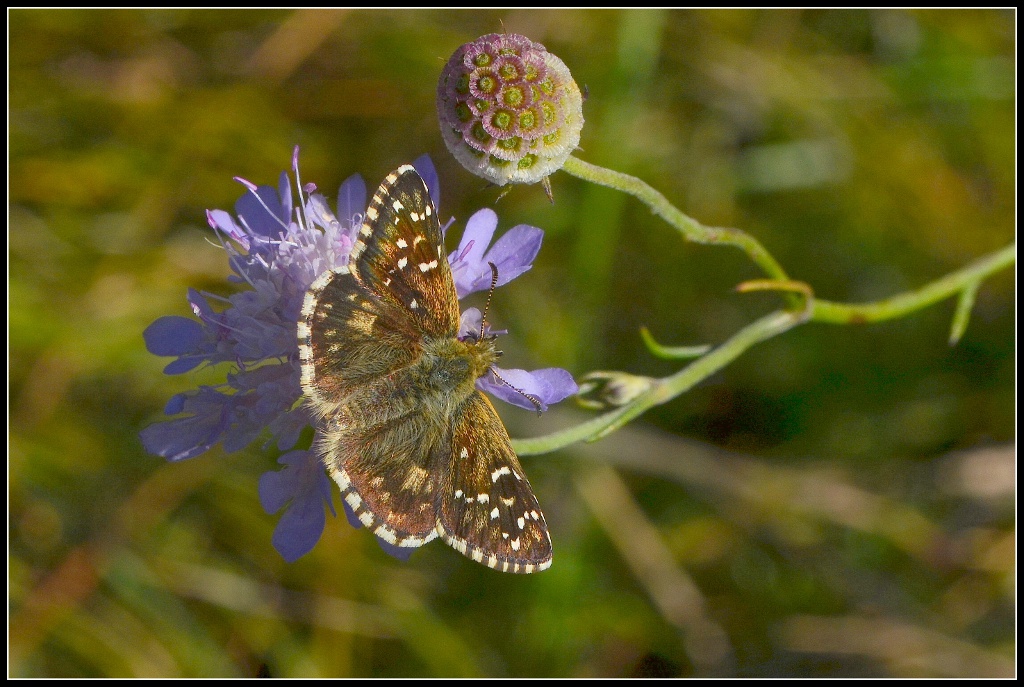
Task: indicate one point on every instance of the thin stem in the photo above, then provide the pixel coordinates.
(964, 281)
(690, 228)
(667, 388)
(664, 389)
(911, 301)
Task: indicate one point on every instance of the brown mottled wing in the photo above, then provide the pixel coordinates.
(399, 254)
(387, 477)
(356, 352)
(487, 508)
(348, 339)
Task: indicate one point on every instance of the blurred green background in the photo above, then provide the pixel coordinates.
(838, 502)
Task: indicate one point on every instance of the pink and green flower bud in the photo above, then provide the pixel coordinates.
(510, 111)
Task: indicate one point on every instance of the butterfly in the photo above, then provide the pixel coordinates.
(416, 449)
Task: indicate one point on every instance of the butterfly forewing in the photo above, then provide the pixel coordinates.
(399, 254)
(487, 508)
(349, 339)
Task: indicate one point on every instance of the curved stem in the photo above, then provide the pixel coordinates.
(690, 228)
(964, 281)
(906, 303)
(666, 388)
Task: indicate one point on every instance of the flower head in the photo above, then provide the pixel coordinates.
(509, 110)
(276, 250)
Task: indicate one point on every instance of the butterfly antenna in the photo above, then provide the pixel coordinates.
(529, 397)
(494, 282)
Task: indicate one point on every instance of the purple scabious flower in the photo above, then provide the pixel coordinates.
(276, 249)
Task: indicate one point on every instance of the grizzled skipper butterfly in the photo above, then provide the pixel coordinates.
(416, 449)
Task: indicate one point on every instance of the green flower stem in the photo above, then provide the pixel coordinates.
(666, 388)
(962, 280)
(804, 308)
(687, 226)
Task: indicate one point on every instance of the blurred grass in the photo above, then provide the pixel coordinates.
(839, 502)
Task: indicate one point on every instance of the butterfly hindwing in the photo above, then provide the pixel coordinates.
(387, 477)
(399, 254)
(487, 509)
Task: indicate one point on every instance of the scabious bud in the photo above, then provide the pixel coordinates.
(509, 109)
(601, 390)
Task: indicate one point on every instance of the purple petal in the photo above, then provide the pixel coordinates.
(301, 487)
(284, 187)
(316, 208)
(173, 335)
(351, 516)
(200, 306)
(512, 254)
(469, 323)
(468, 268)
(402, 553)
(351, 198)
(176, 404)
(184, 364)
(515, 252)
(288, 426)
(187, 437)
(219, 219)
(560, 382)
(265, 215)
(425, 166)
(181, 439)
(549, 385)
(479, 231)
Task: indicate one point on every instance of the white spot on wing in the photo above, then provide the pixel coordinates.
(386, 534)
(503, 470)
